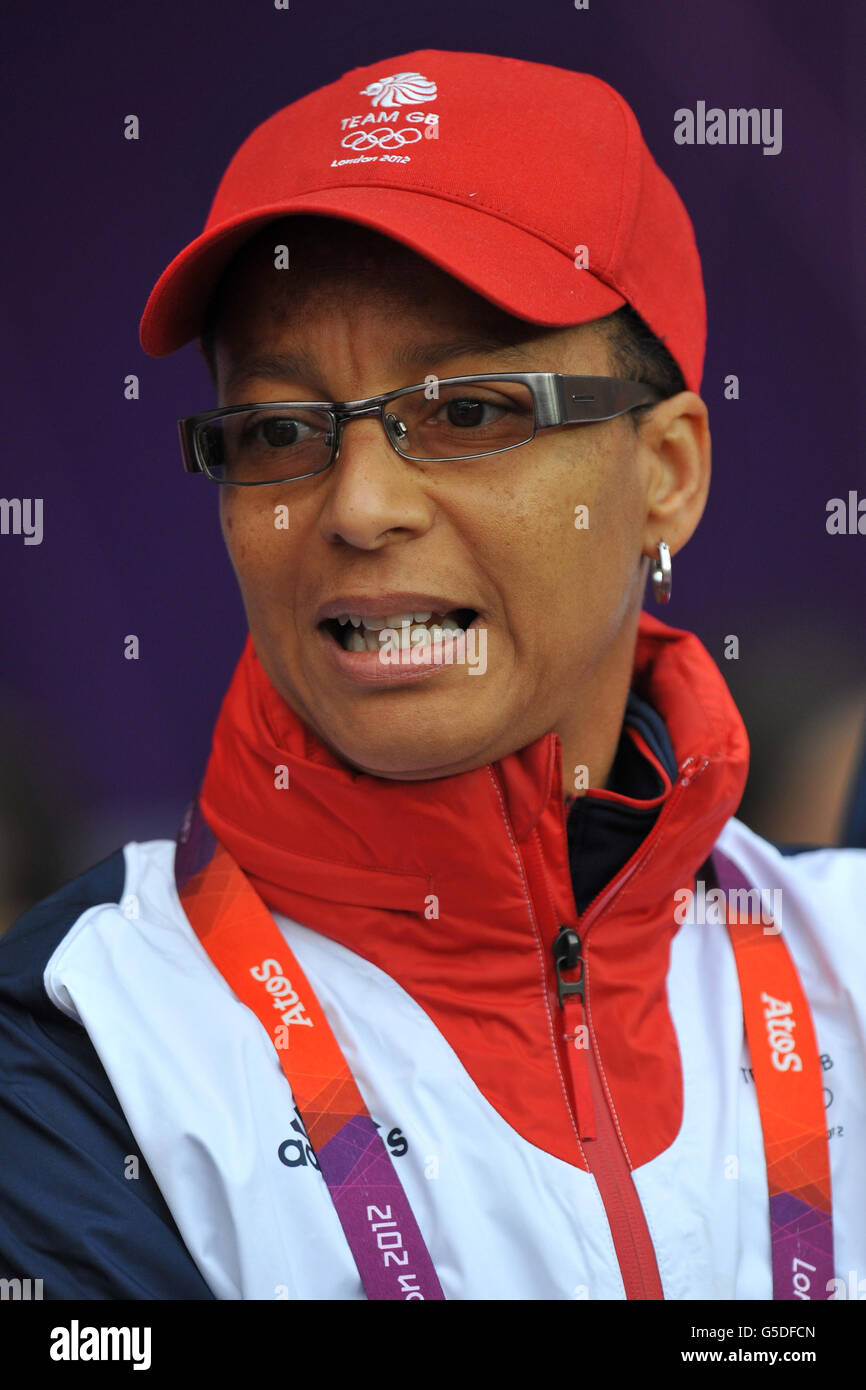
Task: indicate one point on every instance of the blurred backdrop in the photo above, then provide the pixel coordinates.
(96, 749)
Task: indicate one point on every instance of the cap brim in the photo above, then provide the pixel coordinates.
(509, 266)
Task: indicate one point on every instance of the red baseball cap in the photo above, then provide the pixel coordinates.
(530, 184)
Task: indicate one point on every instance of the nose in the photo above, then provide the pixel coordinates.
(374, 496)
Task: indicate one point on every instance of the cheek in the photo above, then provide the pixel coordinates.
(571, 542)
(258, 539)
(543, 527)
(232, 521)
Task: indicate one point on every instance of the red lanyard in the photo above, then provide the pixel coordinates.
(787, 1072)
(244, 943)
(239, 934)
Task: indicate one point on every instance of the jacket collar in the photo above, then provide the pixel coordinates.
(337, 835)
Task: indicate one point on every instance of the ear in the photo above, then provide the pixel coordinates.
(675, 448)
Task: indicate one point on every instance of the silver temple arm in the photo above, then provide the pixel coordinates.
(587, 398)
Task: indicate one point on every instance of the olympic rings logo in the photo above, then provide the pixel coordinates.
(382, 139)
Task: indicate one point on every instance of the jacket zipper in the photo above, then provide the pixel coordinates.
(575, 1035)
(604, 1152)
(609, 1166)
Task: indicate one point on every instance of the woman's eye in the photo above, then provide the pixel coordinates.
(468, 411)
(276, 432)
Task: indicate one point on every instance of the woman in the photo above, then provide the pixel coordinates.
(462, 980)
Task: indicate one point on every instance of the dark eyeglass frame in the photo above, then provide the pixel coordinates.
(558, 400)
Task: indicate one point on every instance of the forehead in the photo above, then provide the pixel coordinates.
(288, 288)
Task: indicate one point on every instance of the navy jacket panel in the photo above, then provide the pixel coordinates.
(79, 1208)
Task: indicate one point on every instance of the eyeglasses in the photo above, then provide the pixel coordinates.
(442, 421)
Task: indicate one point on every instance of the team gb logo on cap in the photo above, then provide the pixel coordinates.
(403, 89)
(389, 95)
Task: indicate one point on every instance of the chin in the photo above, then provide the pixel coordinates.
(408, 733)
(403, 760)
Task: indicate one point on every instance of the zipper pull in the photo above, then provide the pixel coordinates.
(566, 956)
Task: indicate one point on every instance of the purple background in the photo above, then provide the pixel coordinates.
(132, 545)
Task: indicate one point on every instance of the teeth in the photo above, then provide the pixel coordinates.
(398, 619)
(412, 628)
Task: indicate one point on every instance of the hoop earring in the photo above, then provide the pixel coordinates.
(662, 574)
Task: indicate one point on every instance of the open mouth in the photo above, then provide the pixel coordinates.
(355, 633)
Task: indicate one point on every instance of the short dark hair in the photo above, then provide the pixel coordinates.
(207, 337)
(636, 353)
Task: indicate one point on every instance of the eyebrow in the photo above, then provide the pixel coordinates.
(285, 366)
(423, 354)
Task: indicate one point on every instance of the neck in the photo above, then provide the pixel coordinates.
(591, 730)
